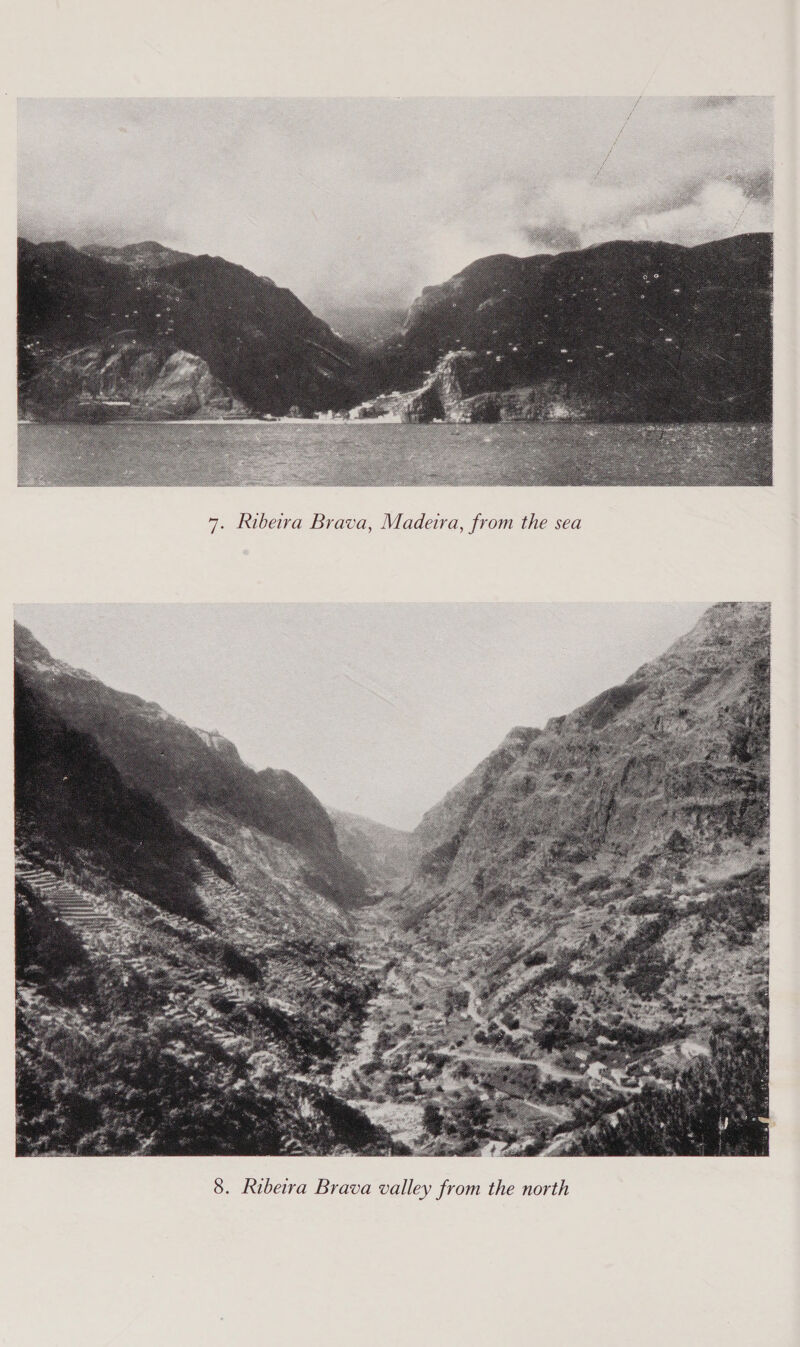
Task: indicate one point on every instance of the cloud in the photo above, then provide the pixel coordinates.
(554, 237)
(718, 210)
(582, 213)
(368, 200)
(714, 102)
(759, 185)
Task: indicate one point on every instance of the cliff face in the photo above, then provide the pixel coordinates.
(669, 767)
(71, 801)
(617, 332)
(95, 383)
(151, 326)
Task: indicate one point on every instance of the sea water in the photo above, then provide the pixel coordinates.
(372, 453)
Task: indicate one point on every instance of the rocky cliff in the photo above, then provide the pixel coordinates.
(101, 383)
(669, 767)
(170, 335)
(585, 939)
(621, 331)
(72, 802)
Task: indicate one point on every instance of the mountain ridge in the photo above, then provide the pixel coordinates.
(96, 334)
(187, 769)
(593, 812)
(620, 331)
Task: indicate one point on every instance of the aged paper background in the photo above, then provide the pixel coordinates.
(137, 1252)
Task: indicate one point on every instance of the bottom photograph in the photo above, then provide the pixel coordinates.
(398, 879)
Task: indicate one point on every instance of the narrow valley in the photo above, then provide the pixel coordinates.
(568, 955)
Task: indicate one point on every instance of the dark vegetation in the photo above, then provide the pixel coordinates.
(258, 339)
(651, 331)
(623, 331)
(125, 1056)
(719, 1106)
(71, 800)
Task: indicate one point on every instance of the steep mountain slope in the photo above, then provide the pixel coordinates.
(191, 771)
(97, 333)
(70, 800)
(620, 331)
(183, 985)
(587, 926)
(385, 856)
(672, 762)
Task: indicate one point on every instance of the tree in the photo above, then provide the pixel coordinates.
(718, 1106)
(432, 1119)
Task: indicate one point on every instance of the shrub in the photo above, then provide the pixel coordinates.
(716, 1107)
(432, 1119)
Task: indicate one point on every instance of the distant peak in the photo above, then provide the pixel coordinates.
(147, 254)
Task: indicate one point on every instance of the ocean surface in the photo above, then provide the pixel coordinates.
(286, 453)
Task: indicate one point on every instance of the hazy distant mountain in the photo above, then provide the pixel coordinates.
(621, 331)
(364, 325)
(385, 856)
(98, 329)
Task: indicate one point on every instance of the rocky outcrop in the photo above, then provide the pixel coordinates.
(457, 376)
(128, 381)
(449, 395)
(621, 331)
(261, 347)
(442, 828)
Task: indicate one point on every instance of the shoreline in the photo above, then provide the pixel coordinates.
(381, 421)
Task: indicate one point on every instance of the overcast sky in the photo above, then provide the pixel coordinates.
(351, 201)
(379, 709)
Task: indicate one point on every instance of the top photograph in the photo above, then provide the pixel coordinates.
(395, 292)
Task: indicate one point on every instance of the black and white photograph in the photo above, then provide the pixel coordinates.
(395, 291)
(456, 880)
